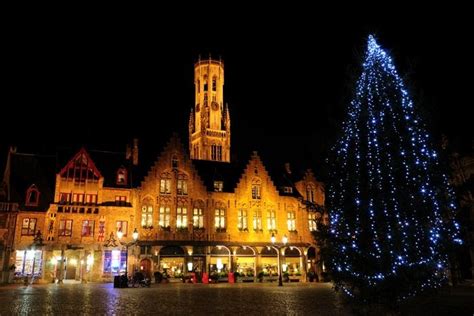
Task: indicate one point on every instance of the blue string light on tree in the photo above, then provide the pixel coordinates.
(392, 210)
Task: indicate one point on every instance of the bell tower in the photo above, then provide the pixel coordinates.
(209, 122)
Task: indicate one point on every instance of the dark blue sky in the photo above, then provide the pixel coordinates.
(101, 83)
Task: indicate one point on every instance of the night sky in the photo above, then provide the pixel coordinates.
(287, 84)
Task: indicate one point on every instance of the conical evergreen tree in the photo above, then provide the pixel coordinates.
(391, 209)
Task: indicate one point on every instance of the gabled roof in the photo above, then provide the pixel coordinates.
(81, 154)
(105, 162)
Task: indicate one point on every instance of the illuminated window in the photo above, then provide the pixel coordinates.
(120, 199)
(216, 152)
(78, 198)
(122, 226)
(257, 220)
(28, 227)
(205, 83)
(313, 226)
(291, 221)
(219, 218)
(181, 217)
(91, 198)
(164, 219)
(147, 215)
(87, 228)
(165, 186)
(65, 227)
(28, 262)
(256, 192)
(182, 187)
(64, 198)
(122, 176)
(115, 261)
(218, 186)
(271, 220)
(198, 218)
(242, 219)
(288, 189)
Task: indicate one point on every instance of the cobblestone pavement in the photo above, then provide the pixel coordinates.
(172, 299)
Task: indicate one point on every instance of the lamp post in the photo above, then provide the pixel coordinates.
(127, 244)
(278, 249)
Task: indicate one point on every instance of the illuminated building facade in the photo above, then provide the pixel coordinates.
(195, 210)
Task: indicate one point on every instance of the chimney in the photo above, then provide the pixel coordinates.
(135, 152)
(128, 152)
(287, 168)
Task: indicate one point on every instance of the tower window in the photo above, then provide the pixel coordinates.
(214, 84)
(205, 83)
(216, 152)
(32, 196)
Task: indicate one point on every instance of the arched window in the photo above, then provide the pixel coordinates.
(32, 196)
(214, 83)
(256, 189)
(205, 83)
(121, 176)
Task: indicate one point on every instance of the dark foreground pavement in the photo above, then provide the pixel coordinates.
(203, 299)
(174, 299)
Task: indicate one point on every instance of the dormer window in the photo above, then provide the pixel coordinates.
(122, 176)
(174, 162)
(288, 189)
(32, 196)
(218, 186)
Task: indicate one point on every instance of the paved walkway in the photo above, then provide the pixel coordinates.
(208, 299)
(172, 299)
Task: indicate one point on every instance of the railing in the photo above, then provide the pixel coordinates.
(216, 133)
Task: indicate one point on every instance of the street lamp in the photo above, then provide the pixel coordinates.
(278, 249)
(127, 244)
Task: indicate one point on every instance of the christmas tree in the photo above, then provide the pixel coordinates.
(391, 209)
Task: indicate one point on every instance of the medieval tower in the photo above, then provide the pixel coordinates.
(209, 122)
